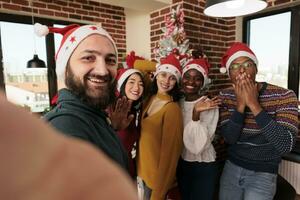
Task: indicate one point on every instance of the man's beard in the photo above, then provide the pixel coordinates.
(98, 99)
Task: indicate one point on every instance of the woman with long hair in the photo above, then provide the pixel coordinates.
(160, 143)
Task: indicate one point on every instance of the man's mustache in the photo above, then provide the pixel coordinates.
(107, 77)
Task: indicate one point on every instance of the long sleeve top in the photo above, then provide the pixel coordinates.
(160, 146)
(198, 135)
(257, 142)
(74, 118)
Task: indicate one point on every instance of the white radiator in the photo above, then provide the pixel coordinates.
(291, 172)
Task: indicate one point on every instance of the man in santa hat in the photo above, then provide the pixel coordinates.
(86, 64)
(259, 121)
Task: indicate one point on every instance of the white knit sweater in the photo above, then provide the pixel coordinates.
(198, 135)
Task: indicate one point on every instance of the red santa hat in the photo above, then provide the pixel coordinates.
(169, 64)
(237, 49)
(124, 73)
(200, 65)
(72, 36)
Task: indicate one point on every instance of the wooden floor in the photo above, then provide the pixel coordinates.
(297, 197)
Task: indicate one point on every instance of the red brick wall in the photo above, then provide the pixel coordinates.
(213, 35)
(85, 11)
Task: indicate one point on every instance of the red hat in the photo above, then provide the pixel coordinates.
(170, 64)
(124, 73)
(200, 65)
(72, 36)
(237, 49)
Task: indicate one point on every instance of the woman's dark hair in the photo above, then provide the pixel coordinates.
(175, 93)
(135, 104)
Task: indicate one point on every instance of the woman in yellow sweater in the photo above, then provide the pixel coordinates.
(160, 142)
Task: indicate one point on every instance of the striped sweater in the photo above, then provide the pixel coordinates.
(257, 143)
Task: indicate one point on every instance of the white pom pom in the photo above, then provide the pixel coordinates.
(40, 30)
(125, 66)
(223, 70)
(208, 81)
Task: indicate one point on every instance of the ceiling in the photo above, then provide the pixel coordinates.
(139, 5)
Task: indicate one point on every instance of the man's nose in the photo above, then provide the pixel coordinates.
(101, 68)
(241, 69)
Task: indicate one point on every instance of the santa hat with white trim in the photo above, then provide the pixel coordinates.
(128, 70)
(200, 65)
(72, 36)
(236, 50)
(169, 64)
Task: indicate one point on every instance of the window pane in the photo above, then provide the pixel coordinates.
(269, 39)
(25, 87)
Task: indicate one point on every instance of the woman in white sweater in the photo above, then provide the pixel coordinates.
(197, 169)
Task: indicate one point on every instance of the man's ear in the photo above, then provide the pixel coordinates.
(67, 69)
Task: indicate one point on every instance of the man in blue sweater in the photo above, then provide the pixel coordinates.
(259, 121)
(86, 63)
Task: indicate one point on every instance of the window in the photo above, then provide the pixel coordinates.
(269, 38)
(30, 88)
(275, 38)
(19, 80)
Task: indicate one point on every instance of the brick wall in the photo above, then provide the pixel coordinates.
(213, 35)
(84, 11)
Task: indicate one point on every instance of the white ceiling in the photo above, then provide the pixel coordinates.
(139, 5)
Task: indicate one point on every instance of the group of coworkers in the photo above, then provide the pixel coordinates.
(152, 120)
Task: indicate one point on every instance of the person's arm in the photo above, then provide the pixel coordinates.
(171, 148)
(48, 165)
(282, 130)
(230, 123)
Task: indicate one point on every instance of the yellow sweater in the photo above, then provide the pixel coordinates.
(160, 147)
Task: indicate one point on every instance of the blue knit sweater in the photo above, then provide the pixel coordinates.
(257, 143)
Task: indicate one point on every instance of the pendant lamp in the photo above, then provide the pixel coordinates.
(35, 62)
(233, 8)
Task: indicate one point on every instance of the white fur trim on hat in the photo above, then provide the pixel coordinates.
(200, 69)
(67, 48)
(168, 68)
(240, 54)
(124, 76)
(40, 30)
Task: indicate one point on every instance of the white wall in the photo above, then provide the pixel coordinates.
(138, 32)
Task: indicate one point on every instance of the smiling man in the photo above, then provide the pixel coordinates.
(87, 64)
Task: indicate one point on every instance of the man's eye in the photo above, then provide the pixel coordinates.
(110, 61)
(89, 58)
(235, 66)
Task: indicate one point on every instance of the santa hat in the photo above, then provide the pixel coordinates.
(124, 73)
(72, 36)
(169, 64)
(237, 49)
(200, 65)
